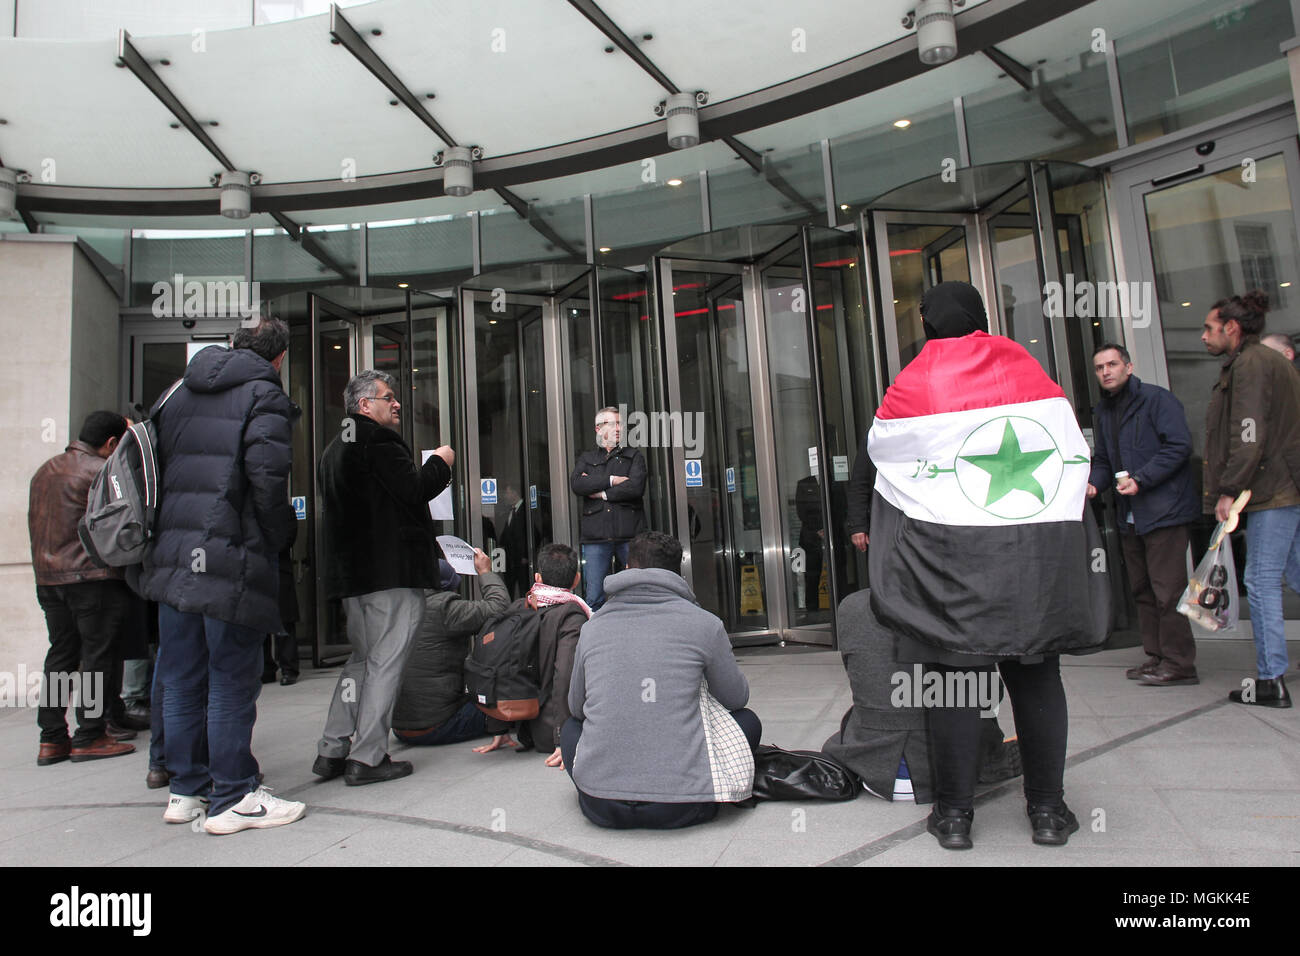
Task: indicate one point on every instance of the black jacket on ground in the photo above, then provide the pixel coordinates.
(620, 516)
(223, 511)
(433, 683)
(375, 523)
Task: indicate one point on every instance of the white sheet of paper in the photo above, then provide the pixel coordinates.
(458, 554)
(439, 507)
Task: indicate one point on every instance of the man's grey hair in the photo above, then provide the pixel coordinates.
(607, 408)
(365, 385)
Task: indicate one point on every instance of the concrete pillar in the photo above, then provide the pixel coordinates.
(61, 332)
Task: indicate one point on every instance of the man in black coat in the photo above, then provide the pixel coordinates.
(611, 481)
(381, 551)
(223, 516)
(1142, 434)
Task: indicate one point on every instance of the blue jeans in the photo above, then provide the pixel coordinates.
(211, 674)
(1272, 555)
(596, 555)
(466, 724)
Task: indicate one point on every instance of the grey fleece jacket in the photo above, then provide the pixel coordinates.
(636, 687)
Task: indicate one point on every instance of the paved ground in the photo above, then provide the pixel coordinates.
(1168, 776)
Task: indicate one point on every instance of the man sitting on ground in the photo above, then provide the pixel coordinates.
(563, 615)
(646, 666)
(433, 706)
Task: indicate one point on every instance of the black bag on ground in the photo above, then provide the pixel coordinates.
(801, 775)
(501, 670)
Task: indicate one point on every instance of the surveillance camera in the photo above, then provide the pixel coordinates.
(1206, 148)
(189, 323)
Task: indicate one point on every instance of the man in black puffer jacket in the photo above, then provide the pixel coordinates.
(223, 517)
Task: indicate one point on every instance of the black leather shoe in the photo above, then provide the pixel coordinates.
(118, 732)
(1052, 826)
(136, 717)
(157, 779)
(288, 680)
(952, 828)
(358, 774)
(327, 768)
(1268, 693)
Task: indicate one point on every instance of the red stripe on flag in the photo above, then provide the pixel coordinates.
(975, 371)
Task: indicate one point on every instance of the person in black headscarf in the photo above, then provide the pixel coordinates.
(954, 310)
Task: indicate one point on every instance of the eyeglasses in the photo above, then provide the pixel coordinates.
(603, 424)
(390, 397)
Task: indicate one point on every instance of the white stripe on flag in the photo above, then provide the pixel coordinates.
(1010, 464)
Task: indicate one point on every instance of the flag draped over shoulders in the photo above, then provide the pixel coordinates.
(978, 541)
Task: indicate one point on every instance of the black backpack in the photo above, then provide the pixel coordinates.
(501, 670)
(801, 775)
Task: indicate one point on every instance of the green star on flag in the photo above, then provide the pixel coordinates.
(1011, 469)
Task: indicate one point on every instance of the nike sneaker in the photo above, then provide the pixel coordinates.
(183, 809)
(257, 810)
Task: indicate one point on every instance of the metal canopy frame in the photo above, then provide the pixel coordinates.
(980, 27)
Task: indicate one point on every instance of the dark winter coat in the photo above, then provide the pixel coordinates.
(1143, 430)
(223, 512)
(433, 683)
(1252, 430)
(620, 515)
(376, 528)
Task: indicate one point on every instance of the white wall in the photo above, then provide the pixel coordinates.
(60, 328)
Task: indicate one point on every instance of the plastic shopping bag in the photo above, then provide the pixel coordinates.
(1211, 596)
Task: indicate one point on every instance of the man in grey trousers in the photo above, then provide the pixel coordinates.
(380, 555)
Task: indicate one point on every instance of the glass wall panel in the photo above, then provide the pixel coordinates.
(885, 156)
(432, 252)
(634, 224)
(1067, 115)
(556, 231)
(1205, 62)
(792, 188)
(217, 258)
(435, 391)
(279, 262)
(1019, 286)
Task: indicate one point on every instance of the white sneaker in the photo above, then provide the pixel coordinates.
(182, 809)
(256, 811)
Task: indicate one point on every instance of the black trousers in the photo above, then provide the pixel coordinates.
(1157, 571)
(281, 649)
(84, 622)
(636, 815)
(1038, 701)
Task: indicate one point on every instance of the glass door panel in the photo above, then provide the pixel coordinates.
(913, 270)
(724, 524)
(1210, 238)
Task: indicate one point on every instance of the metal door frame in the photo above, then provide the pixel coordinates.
(324, 315)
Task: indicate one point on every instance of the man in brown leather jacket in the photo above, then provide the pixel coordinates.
(1252, 441)
(84, 605)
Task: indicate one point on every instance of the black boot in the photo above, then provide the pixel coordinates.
(1268, 693)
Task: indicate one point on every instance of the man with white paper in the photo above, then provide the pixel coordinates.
(380, 556)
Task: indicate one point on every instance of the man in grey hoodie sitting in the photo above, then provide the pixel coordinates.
(636, 746)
